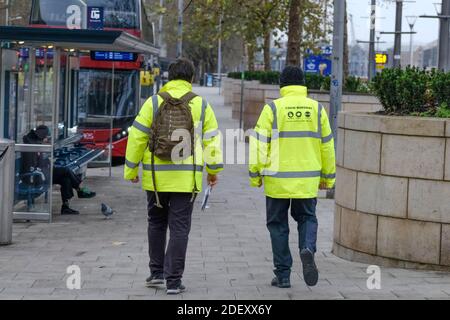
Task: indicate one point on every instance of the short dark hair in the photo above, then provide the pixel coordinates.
(292, 76)
(42, 132)
(182, 69)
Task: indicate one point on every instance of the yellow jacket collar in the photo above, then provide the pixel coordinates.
(177, 85)
(294, 91)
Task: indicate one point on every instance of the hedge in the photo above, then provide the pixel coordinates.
(413, 91)
(313, 82)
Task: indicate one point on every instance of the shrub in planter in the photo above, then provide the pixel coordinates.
(313, 81)
(270, 77)
(440, 86)
(355, 84)
(404, 91)
(317, 82)
(235, 75)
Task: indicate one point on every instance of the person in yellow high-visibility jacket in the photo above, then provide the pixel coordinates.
(174, 181)
(292, 153)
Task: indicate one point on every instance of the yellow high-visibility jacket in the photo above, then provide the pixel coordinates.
(170, 176)
(292, 147)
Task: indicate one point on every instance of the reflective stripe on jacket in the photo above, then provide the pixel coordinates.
(292, 147)
(174, 177)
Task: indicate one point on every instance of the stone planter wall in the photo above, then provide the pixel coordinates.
(393, 191)
(256, 95)
(227, 90)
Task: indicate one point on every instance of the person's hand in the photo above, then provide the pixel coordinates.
(212, 180)
(135, 180)
(323, 186)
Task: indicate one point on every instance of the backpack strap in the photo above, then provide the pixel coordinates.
(155, 106)
(188, 97)
(165, 95)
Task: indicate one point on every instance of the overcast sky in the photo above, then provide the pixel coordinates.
(427, 29)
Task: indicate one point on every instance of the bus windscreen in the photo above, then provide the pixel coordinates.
(96, 94)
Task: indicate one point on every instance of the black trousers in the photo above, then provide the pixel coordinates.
(304, 213)
(67, 180)
(176, 215)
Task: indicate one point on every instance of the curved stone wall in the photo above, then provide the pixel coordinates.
(393, 191)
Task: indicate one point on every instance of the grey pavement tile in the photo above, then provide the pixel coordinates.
(49, 297)
(11, 297)
(28, 291)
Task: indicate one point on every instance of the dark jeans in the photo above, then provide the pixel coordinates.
(304, 213)
(67, 180)
(176, 215)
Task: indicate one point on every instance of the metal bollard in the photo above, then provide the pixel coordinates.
(7, 169)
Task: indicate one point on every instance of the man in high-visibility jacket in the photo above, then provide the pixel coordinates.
(292, 153)
(174, 181)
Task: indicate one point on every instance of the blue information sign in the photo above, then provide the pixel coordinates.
(95, 18)
(318, 65)
(113, 56)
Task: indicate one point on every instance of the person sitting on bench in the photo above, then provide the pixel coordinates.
(63, 176)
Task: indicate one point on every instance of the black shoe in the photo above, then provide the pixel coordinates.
(65, 210)
(154, 281)
(310, 271)
(177, 290)
(281, 283)
(85, 193)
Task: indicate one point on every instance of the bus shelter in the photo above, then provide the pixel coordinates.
(39, 86)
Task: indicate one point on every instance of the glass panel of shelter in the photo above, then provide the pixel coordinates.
(33, 126)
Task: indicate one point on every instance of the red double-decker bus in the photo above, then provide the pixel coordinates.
(102, 90)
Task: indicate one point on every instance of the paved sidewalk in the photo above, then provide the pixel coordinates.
(229, 255)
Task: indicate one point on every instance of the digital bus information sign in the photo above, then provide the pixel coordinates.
(113, 56)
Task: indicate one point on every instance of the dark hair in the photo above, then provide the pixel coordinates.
(182, 69)
(292, 76)
(42, 132)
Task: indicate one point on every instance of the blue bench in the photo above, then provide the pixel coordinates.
(76, 159)
(25, 188)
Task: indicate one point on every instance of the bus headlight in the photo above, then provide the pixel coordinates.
(121, 135)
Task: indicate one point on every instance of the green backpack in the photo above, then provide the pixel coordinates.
(173, 114)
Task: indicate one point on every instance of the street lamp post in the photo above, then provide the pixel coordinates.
(398, 34)
(7, 13)
(160, 25)
(444, 57)
(444, 34)
(338, 63)
(6, 8)
(180, 29)
(373, 20)
(411, 21)
(219, 55)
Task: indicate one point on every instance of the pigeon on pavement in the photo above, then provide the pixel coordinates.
(107, 211)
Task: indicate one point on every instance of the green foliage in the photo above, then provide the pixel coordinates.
(413, 92)
(443, 111)
(403, 91)
(352, 84)
(313, 81)
(265, 77)
(270, 77)
(440, 86)
(234, 75)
